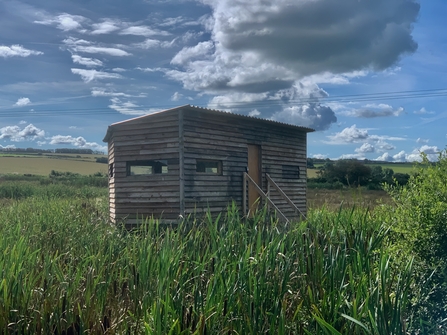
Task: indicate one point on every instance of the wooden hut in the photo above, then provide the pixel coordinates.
(191, 160)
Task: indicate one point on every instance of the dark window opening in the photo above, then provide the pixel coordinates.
(290, 172)
(111, 170)
(142, 168)
(211, 167)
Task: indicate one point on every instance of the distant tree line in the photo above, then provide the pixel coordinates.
(52, 151)
(311, 162)
(354, 173)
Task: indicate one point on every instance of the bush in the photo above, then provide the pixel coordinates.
(347, 171)
(419, 223)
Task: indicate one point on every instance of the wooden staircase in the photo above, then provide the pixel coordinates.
(271, 185)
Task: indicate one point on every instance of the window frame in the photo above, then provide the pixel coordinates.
(207, 161)
(290, 171)
(112, 170)
(155, 164)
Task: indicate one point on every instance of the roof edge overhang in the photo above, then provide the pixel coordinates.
(208, 111)
(113, 125)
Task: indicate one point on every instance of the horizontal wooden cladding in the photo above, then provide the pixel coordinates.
(199, 140)
(147, 211)
(228, 162)
(222, 203)
(192, 185)
(121, 174)
(146, 181)
(277, 162)
(152, 122)
(142, 144)
(138, 154)
(209, 130)
(196, 125)
(147, 195)
(213, 152)
(138, 187)
(135, 152)
(282, 151)
(210, 193)
(204, 186)
(193, 121)
(147, 200)
(199, 131)
(157, 154)
(203, 210)
(146, 133)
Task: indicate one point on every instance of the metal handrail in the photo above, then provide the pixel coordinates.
(284, 196)
(262, 194)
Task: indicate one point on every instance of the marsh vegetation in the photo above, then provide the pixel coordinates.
(352, 270)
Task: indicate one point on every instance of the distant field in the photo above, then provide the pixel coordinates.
(347, 198)
(42, 165)
(312, 173)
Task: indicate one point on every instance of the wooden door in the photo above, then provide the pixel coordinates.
(254, 171)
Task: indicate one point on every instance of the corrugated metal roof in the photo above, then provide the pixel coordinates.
(209, 111)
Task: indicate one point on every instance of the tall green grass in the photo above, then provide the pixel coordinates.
(64, 268)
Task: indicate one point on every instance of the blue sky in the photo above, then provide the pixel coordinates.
(369, 76)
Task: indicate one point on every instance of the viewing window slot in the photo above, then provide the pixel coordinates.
(111, 170)
(143, 168)
(209, 167)
(290, 172)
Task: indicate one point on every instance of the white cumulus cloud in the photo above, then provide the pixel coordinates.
(64, 22)
(22, 102)
(90, 75)
(89, 62)
(17, 134)
(365, 148)
(83, 46)
(17, 51)
(105, 27)
(350, 135)
(143, 31)
(129, 108)
(79, 142)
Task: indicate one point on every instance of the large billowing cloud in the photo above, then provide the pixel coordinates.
(316, 36)
(263, 47)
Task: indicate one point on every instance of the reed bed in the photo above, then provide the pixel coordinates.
(65, 270)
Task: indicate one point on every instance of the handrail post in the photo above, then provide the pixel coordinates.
(268, 194)
(284, 196)
(264, 196)
(244, 195)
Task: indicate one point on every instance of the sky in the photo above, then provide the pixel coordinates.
(370, 76)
